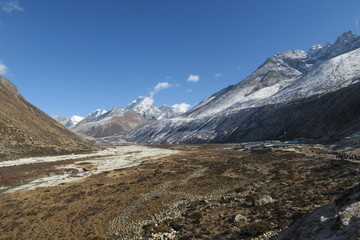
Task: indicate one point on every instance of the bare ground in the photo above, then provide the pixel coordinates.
(193, 194)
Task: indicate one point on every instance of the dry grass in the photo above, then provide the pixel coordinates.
(196, 193)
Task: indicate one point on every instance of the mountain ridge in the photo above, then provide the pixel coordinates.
(101, 123)
(280, 80)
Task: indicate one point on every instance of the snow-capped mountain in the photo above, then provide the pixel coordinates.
(287, 81)
(74, 120)
(101, 123)
(68, 122)
(146, 107)
(347, 42)
(95, 114)
(62, 119)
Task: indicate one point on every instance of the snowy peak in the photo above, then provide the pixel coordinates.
(68, 122)
(141, 103)
(73, 121)
(346, 39)
(345, 43)
(100, 114)
(145, 106)
(336, 73)
(295, 60)
(62, 119)
(97, 113)
(115, 111)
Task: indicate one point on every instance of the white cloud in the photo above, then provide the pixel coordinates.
(189, 90)
(182, 107)
(218, 74)
(10, 6)
(356, 23)
(3, 69)
(238, 68)
(193, 78)
(158, 87)
(168, 77)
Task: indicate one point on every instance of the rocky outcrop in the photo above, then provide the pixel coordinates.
(339, 220)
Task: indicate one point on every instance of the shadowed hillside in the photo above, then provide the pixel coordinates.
(25, 130)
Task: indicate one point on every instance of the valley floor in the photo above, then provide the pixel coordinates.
(168, 192)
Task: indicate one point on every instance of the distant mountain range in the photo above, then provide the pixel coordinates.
(102, 123)
(311, 94)
(295, 94)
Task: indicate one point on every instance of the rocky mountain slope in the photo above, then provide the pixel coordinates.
(110, 123)
(102, 123)
(293, 94)
(25, 130)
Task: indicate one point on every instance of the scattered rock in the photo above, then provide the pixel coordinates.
(239, 218)
(240, 200)
(339, 220)
(262, 200)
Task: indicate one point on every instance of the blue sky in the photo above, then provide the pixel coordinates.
(73, 56)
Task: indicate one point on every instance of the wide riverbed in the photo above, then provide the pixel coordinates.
(105, 160)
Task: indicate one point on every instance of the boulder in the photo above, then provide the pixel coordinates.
(262, 200)
(239, 218)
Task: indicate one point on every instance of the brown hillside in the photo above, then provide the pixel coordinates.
(26, 131)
